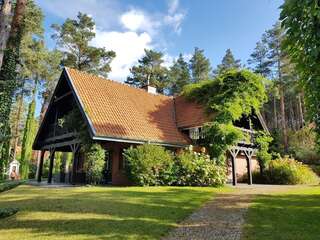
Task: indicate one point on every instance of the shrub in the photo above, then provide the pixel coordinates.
(302, 145)
(196, 169)
(5, 186)
(94, 164)
(289, 171)
(7, 212)
(149, 164)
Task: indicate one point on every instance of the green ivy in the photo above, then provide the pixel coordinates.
(264, 157)
(227, 98)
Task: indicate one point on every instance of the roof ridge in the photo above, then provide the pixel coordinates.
(116, 82)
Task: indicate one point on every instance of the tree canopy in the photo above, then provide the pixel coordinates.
(200, 66)
(228, 62)
(149, 71)
(301, 21)
(74, 37)
(179, 75)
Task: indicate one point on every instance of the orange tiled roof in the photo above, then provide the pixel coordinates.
(119, 111)
(189, 114)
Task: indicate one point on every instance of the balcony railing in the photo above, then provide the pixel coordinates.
(249, 136)
(57, 130)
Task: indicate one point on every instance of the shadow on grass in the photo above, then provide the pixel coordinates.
(284, 217)
(103, 213)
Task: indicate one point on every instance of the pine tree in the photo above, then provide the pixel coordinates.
(149, 71)
(5, 13)
(74, 36)
(259, 59)
(179, 75)
(8, 73)
(199, 66)
(28, 137)
(228, 62)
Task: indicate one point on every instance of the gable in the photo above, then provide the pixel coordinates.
(61, 103)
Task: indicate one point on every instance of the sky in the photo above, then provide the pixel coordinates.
(170, 26)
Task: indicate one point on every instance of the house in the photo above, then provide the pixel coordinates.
(119, 116)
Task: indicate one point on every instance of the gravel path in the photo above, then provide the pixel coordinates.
(221, 218)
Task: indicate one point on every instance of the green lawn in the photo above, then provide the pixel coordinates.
(288, 216)
(98, 212)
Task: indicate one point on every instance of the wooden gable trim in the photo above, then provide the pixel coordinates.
(92, 130)
(65, 76)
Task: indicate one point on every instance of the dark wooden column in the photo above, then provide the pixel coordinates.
(234, 152)
(40, 166)
(249, 153)
(234, 171)
(52, 152)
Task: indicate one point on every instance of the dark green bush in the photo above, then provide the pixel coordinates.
(5, 186)
(149, 165)
(7, 212)
(197, 169)
(153, 165)
(289, 171)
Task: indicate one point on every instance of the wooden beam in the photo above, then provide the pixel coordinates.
(40, 166)
(62, 144)
(63, 136)
(62, 96)
(52, 152)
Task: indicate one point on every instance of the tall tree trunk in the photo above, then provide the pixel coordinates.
(283, 119)
(16, 127)
(275, 115)
(300, 110)
(5, 17)
(293, 118)
(16, 25)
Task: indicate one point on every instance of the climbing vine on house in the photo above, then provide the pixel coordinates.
(227, 98)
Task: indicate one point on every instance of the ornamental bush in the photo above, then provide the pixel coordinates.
(197, 169)
(289, 171)
(94, 163)
(149, 165)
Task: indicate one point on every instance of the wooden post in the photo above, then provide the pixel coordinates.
(249, 153)
(234, 171)
(52, 152)
(40, 166)
(234, 152)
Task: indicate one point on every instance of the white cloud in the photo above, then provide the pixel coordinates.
(175, 16)
(129, 47)
(140, 21)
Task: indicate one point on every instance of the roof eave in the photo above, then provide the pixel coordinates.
(137, 141)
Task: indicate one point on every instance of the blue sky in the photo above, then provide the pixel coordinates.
(171, 26)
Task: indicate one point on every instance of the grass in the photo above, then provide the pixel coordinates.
(292, 215)
(98, 212)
